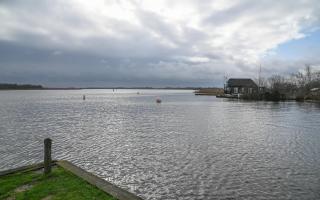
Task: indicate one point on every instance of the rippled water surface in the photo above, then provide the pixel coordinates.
(187, 147)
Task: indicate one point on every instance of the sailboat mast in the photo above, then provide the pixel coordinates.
(259, 76)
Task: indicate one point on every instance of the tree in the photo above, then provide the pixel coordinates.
(276, 82)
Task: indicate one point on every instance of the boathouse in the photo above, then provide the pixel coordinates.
(240, 86)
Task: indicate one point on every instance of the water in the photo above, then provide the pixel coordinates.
(187, 147)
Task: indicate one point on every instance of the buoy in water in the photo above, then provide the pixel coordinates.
(158, 100)
(84, 97)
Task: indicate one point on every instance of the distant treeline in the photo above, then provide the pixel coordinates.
(8, 86)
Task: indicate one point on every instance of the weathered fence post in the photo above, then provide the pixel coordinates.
(47, 155)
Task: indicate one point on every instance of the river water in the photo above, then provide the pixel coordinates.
(187, 147)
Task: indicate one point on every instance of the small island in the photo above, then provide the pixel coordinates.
(209, 91)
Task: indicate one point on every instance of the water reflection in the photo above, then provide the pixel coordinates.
(187, 147)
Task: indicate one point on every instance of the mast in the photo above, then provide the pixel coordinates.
(259, 76)
(225, 77)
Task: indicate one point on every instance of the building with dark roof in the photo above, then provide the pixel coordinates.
(241, 86)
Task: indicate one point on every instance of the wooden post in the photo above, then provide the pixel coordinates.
(47, 156)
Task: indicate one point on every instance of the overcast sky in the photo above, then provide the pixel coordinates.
(154, 43)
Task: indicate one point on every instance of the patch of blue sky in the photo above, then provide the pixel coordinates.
(303, 48)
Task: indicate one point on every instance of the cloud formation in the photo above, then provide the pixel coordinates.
(139, 42)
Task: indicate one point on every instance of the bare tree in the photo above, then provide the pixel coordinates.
(276, 82)
(298, 85)
(308, 73)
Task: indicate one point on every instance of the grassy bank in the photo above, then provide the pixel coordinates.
(60, 184)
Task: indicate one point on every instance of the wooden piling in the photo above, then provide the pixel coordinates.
(47, 156)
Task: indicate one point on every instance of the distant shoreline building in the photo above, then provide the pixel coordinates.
(243, 86)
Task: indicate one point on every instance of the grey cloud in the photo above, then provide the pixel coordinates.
(70, 43)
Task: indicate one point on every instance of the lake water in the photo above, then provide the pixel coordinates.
(187, 147)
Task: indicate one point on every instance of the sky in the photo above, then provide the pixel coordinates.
(158, 43)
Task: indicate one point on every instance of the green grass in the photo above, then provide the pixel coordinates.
(59, 185)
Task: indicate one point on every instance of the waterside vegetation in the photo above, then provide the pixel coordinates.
(209, 91)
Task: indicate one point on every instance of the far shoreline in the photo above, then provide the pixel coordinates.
(99, 88)
(14, 86)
